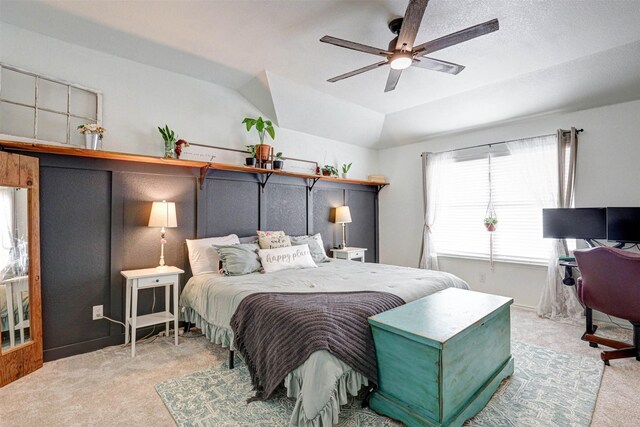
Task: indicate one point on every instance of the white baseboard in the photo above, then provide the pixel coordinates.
(524, 307)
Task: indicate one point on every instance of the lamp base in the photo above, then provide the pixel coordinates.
(344, 236)
(162, 267)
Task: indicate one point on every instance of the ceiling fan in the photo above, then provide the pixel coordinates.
(402, 53)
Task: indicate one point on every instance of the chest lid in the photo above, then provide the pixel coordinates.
(438, 318)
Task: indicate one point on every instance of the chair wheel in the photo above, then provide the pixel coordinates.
(606, 363)
(593, 344)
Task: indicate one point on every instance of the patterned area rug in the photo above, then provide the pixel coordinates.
(547, 389)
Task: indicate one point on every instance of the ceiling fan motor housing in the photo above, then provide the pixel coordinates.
(395, 25)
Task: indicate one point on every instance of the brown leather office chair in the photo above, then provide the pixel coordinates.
(610, 283)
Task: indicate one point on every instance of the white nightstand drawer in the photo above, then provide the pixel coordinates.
(145, 282)
(349, 253)
(358, 254)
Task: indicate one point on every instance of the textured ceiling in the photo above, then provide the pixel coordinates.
(233, 42)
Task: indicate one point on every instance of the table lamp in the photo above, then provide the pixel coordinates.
(163, 214)
(343, 216)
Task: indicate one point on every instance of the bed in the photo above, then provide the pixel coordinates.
(322, 383)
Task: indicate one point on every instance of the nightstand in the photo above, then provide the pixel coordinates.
(145, 279)
(349, 253)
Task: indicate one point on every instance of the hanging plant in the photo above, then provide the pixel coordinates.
(490, 223)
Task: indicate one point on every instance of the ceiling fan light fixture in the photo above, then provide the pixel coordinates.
(401, 61)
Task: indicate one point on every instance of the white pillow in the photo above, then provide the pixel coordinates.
(203, 258)
(289, 257)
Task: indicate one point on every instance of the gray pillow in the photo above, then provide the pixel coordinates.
(238, 260)
(315, 246)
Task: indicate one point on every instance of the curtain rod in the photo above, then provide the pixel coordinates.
(501, 142)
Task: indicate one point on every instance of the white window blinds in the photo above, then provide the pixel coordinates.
(521, 178)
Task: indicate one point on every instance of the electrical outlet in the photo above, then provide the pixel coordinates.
(97, 312)
(483, 277)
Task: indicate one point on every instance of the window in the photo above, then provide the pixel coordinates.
(40, 108)
(523, 181)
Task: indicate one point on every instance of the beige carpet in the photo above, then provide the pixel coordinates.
(107, 387)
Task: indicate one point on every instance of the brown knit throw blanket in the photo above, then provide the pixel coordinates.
(277, 332)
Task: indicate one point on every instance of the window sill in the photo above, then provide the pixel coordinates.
(517, 261)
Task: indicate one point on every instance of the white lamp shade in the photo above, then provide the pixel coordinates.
(163, 214)
(343, 215)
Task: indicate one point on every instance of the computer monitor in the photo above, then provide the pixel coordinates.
(574, 223)
(623, 225)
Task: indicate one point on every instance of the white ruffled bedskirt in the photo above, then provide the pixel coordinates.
(325, 404)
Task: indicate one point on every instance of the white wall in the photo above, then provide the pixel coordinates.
(607, 175)
(137, 98)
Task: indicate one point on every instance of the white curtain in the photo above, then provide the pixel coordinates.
(432, 164)
(558, 300)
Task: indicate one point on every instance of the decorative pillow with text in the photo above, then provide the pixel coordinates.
(286, 258)
(273, 239)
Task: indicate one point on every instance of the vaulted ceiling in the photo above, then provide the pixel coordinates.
(548, 56)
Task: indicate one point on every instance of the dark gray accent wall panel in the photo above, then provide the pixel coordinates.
(325, 200)
(75, 226)
(232, 206)
(140, 246)
(362, 232)
(285, 208)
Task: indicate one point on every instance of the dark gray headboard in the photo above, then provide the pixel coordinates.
(233, 202)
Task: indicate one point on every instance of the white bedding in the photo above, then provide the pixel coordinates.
(321, 384)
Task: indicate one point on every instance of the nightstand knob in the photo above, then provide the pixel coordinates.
(157, 280)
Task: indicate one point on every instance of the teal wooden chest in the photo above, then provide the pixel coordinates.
(441, 358)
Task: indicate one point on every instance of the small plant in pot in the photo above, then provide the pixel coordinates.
(251, 161)
(278, 162)
(263, 127)
(345, 170)
(328, 170)
(490, 223)
(170, 139)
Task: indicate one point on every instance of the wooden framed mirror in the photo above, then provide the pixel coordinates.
(20, 298)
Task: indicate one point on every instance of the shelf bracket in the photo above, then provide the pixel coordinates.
(380, 187)
(264, 183)
(310, 187)
(203, 175)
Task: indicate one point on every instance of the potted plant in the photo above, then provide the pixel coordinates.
(490, 223)
(263, 127)
(345, 170)
(169, 138)
(251, 161)
(328, 170)
(92, 135)
(278, 162)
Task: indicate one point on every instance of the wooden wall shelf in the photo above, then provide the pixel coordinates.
(203, 166)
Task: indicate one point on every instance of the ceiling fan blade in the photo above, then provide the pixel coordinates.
(457, 37)
(392, 80)
(411, 24)
(437, 65)
(356, 72)
(355, 46)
